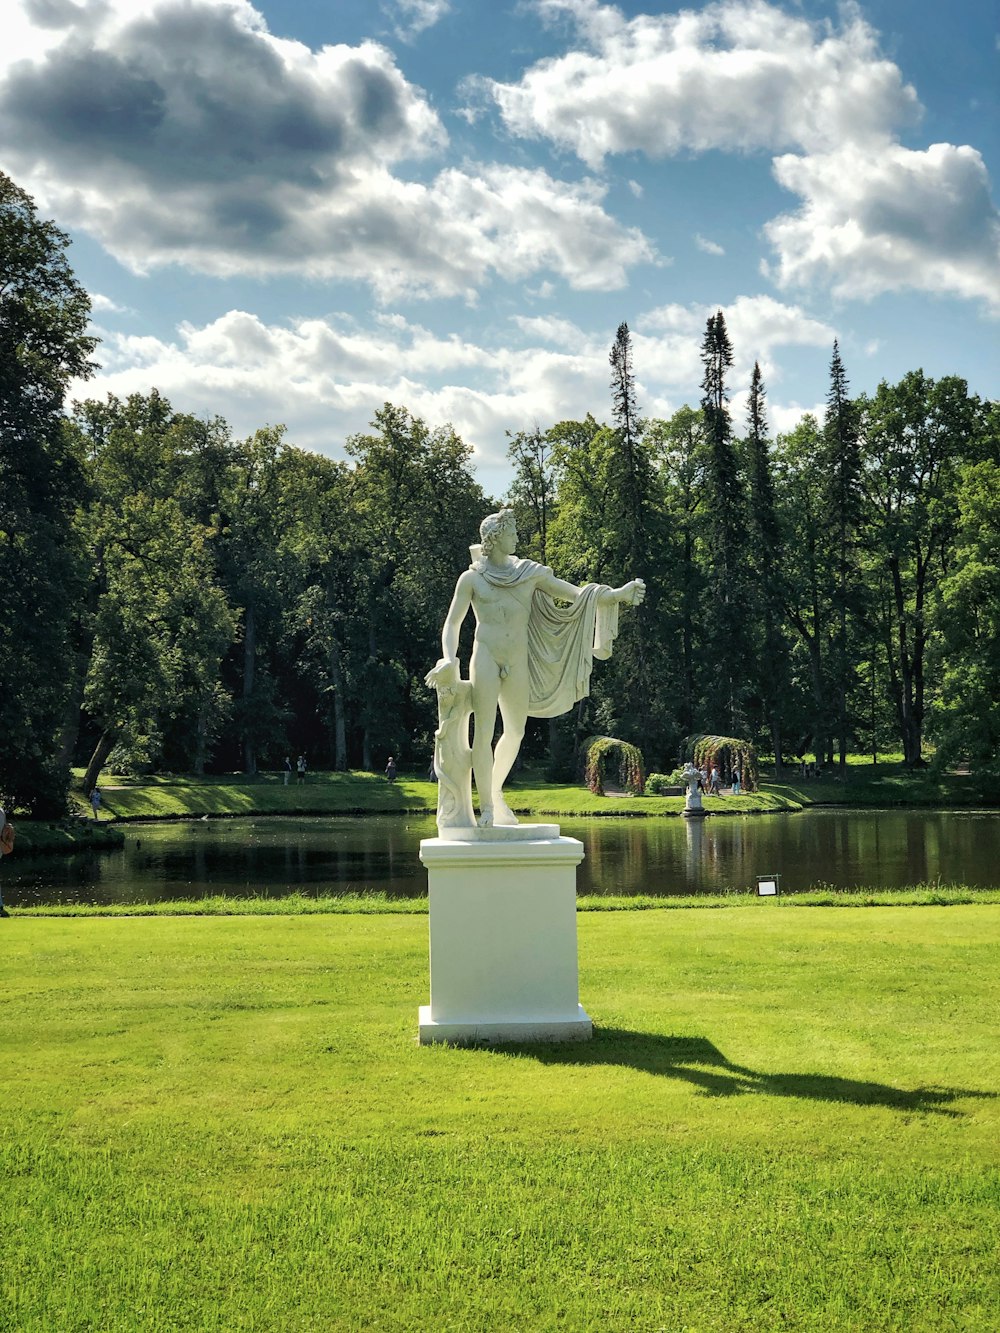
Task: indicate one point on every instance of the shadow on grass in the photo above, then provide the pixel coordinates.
(696, 1061)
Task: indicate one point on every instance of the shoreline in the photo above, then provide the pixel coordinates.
(357, 795)
(380, 904)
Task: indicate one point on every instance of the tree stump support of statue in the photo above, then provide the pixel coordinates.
(503, 942)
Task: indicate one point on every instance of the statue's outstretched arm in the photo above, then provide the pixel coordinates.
(632, 593)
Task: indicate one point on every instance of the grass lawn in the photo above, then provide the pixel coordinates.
(787, 1119)
(173, 796)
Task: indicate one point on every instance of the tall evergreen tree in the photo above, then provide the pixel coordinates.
(679, 445)
(765, 560)
(632, 467)
(637, 551)
(843, 510)
(725, 511)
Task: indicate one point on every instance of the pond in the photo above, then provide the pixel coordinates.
(271, 857)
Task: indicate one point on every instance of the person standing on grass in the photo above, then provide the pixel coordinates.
(390, 769)
(6, 845)
(288, 770)
(95, 803)
(301, 767)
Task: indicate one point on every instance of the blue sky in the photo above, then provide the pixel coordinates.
(295, 211)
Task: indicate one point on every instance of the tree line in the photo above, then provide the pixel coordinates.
(181, 600)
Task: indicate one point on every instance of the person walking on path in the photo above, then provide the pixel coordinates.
(288, 771)
(390, 769)
(95, 803)
(736, 782)
(301, 767)
(713, 784)
(6, 845)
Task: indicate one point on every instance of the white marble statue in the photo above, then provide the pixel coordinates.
(535, 642)
(692, 797)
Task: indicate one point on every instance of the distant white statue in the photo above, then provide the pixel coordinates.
(692, 796)
(535, 642)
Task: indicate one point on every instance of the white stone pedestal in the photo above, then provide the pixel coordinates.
(503, 940)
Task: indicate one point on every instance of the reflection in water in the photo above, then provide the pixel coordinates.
(271, 857)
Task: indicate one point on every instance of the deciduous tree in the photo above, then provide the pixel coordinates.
(44, 344)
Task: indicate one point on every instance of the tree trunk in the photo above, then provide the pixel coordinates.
(249, 670)
(70, 732)
(776, 745)
(98, 759)
(366, 737)
(339, 720)
(201, 739)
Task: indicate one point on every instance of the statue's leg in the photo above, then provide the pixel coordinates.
(514, 712)
(485, 676)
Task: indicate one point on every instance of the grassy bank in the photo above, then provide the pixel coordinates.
(888, 786)
(380, 904)
(786, 1119)
(37, 837)
(180, 797)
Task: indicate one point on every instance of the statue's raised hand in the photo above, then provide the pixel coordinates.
(632, 593)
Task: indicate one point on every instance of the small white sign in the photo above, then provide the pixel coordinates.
(768, 888)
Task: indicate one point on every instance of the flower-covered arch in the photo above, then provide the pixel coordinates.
(606, 753)
(729, 755)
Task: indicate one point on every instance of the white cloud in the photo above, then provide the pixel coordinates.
(893, 220)
(416, 16)
(740, 75)
(559, 332)
(189, 134)
(744, 75)
(324, 378)
(102, 304)
(709, 247)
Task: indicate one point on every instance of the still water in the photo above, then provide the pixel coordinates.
(270, 857)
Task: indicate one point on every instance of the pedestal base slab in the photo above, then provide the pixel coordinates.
(487, 1032)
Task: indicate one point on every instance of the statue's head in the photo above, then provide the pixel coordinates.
(492, 526)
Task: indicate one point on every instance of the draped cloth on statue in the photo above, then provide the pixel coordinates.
(563, 640)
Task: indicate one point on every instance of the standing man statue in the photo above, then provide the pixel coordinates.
(536, 639)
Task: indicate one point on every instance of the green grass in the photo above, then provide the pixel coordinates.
(786, 1120)
(892, 785)
(179, 797)
(377, 903)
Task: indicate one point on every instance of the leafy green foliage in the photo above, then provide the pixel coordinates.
(44, 345)
(966, 717)
(177, 598)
